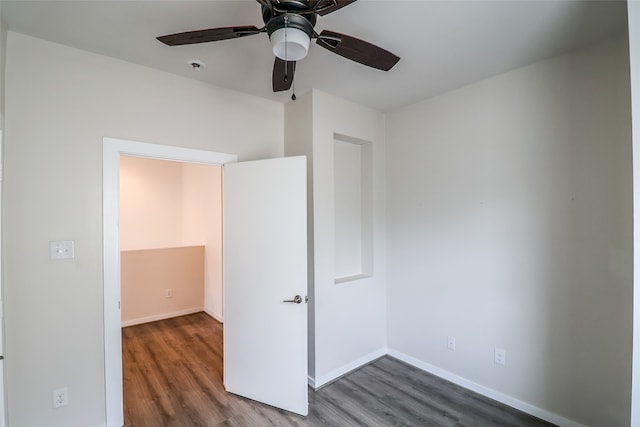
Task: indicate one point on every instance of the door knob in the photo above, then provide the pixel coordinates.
(297, 299)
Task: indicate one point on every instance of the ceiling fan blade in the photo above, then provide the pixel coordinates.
(357, 50)
(283, 73)
(210, 35)
(266, 3)
(325, 7)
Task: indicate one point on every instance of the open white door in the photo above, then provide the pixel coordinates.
(265, 263)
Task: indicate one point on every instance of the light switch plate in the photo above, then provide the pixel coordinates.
(61, 249)
(451, 342)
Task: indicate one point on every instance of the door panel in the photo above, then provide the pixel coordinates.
(265, 263)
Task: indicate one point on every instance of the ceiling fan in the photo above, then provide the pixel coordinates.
(290, 26)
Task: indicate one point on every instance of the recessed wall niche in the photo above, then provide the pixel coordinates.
(353, 198)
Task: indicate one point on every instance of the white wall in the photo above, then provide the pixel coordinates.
(634, 53)
(147, 274)
(60, 102)
(202, 225)
(348, 183)
(3, 58)
(509, 225)
(350, 317)
(298, 141)
(151, 202)
(353, 217)
(3, 46)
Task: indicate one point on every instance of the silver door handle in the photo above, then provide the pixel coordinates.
(297, 299)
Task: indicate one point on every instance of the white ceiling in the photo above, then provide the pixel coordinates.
(442, 44)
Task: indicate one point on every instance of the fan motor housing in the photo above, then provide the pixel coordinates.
(294, 4)
(292, 20)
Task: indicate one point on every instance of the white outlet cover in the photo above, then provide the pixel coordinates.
(61, 249)
(60, 397)
(500, 356)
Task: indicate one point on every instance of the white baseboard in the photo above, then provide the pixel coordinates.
(485, 391)
(214, 315)
(325, 379)
(161, 316)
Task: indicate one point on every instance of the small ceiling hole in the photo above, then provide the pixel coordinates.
(196, 65)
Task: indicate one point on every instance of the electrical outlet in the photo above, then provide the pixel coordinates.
(451, 342)
(168, 293)
(61, 249)
(500, 356)
(60, 397)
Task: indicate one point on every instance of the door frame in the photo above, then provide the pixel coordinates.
(112, 149)
(3, 387)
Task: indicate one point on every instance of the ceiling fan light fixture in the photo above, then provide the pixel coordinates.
(290, 44)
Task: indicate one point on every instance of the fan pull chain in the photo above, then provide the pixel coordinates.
(286, 58)
(286, 44)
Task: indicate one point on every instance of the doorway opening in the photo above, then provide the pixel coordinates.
(265, 265)
(171, 279)
(113, 149)
(170, 239)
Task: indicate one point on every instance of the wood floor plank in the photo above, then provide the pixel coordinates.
(173, 378)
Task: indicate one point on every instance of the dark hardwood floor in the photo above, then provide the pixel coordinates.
(173, 377)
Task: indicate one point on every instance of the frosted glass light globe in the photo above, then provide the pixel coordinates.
(290, 44)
